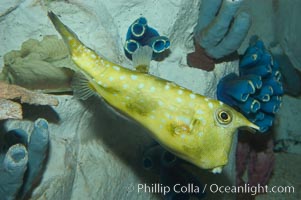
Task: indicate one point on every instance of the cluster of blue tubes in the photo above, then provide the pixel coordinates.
(140, 34)
(21, 162)
(171, 172)
(257, 91)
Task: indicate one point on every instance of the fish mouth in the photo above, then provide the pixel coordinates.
(254, 126)
(251, 127)
(246, 124)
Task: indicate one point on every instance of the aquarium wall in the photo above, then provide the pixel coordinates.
(94, 151)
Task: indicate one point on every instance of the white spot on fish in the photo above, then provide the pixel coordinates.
(99, 82)
(93, 56)
(107, 65)
(184, 119)
(166, 87)
(192, 96)
(179, 100)
(141, 85)
(200, 134)
(125, 86)
(133, 77)
(200, 112)
(202, 120)
(111, 78)
(122, 77)
(70, 38)
(191, 104)
(221, 103)
(161, 126)
(127, 97)
(180, 92)
(206, 99)
(210, 105)
(152, 89)
(152, 117)
(160, 103)
(163, 120)
(168, 115)
(116, 68)
(172, 108)
(183, 136)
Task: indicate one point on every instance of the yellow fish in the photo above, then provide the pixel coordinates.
(195, 128)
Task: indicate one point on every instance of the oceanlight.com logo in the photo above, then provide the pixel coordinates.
(190, 188)
(250, 189)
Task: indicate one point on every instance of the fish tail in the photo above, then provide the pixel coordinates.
(67, 34)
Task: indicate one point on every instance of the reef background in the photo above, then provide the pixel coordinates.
(96, 153)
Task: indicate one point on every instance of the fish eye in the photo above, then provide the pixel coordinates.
(224, 117)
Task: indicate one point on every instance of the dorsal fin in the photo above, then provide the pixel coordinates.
(82, 87)
(141, 58)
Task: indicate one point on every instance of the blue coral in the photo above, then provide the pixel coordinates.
(171, 172)
(21, 162)
(257, 91)
(140, 34)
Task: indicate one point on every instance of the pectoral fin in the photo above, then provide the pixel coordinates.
(82, 86)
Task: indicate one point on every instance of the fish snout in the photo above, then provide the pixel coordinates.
(246, 124)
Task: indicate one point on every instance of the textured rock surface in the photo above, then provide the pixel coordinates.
(287, 131)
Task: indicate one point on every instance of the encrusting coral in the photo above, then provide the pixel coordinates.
(218, 32)
(39, 65)
(13, 110)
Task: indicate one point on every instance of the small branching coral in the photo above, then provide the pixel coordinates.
(258, 89)
(140, 34)
(218, 32)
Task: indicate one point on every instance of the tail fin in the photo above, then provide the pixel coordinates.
(67, 34)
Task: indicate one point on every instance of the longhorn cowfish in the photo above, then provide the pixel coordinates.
(193, 127)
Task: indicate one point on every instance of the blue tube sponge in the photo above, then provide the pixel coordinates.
(140, 34)
(257, 91)
(215, 31)
(37, 151)
(12, 171)
(23, 161)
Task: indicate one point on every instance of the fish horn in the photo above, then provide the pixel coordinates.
(67, 34)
